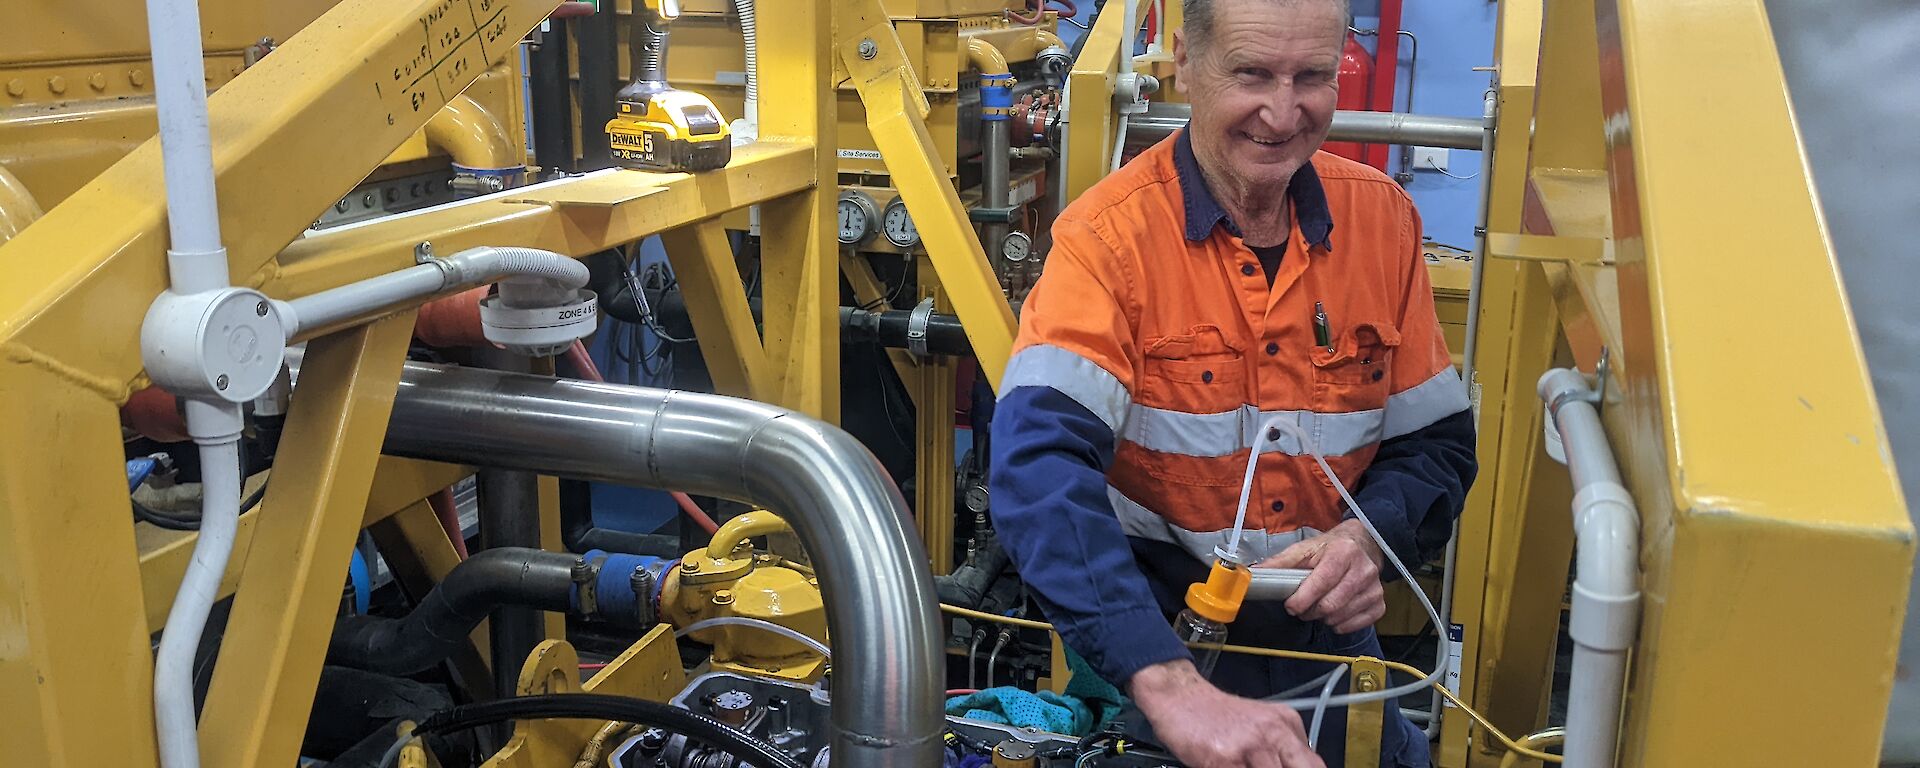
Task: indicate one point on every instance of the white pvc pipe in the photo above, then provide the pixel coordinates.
(750, 34)
(173, 710)
(523, 269)
(1606, 587)
(196, 260)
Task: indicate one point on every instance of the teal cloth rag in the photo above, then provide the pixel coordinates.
(1087, 704)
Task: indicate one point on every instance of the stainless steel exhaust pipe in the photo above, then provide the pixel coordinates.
(882, 617)
(1163, 118)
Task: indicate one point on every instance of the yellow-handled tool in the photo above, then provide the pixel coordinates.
(659, 128)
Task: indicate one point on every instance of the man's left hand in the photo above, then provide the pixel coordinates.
(1344, 589)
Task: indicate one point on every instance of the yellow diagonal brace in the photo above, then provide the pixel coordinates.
(256, 709)
(729, 338)
(892, 98)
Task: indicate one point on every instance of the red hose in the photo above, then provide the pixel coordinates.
(1068, 9)
(577, 356)
(449, 514)
(1039, 12)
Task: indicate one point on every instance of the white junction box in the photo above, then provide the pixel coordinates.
(1430, 158)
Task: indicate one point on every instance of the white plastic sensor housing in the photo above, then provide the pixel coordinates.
(220, 345)
(540, 331)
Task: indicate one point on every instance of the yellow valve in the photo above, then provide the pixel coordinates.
(1218, 598)
(759, 522)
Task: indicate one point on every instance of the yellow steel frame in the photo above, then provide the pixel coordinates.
(1722, 381)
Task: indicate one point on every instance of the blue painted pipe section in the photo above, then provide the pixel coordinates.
(614, 592)
(996, 97)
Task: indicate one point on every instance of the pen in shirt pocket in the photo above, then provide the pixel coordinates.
(1322, 334)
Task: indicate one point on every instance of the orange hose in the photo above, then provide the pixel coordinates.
(577, 355)
(583, 362)
(449, 514)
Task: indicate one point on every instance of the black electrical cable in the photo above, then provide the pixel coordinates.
(175, 522)
(701, 728)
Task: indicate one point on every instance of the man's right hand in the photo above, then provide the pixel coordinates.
(1208, 728)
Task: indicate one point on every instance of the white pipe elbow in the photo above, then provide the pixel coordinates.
(1606, 585)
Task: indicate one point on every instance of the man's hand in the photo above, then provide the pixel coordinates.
(1344, 588)
(1207, 728)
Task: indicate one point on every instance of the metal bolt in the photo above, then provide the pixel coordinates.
(723, 597)
(581, 572)
(260, 309)
(16, 87)
(98, 81)
(57, 84)
(1366, 682)
(868, 50)
(220, 383)
(138, 77)
(367, 199)
(423, 252)
(689, 566)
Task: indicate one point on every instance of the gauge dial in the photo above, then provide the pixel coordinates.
(898, 226)
(1016, 246)
(857, 215)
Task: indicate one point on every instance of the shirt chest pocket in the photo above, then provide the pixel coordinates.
(1356, 374)
(1201, 371)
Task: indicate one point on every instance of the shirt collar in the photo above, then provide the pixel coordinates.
(1204, 213)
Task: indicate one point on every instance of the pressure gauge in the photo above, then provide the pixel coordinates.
(858, 215)
(1016, 246)
(898, 226)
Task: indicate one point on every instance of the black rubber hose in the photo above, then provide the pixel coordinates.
(440, 624)
(968, 584)
(640, 712)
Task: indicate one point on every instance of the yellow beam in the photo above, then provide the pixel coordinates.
(800, 283)
(257, 706)
(717, 303)
(75, 661)
(1092, 125)
(896, 110)
(1364, 720)
(1758, 441)
(933, 454)
(576, 216)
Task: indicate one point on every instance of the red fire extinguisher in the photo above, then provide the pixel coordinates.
(1356, 83)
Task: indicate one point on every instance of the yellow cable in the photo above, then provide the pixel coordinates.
(1505, 740)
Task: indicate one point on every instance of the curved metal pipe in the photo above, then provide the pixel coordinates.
(491, 578)
(849, 515)
(1163, 118)
(473, 136)
(985, 57)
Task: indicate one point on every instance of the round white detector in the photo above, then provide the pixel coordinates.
(540, 331)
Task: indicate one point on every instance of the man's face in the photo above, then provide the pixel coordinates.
(1263, 88)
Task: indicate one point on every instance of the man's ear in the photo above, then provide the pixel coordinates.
(1180, 60)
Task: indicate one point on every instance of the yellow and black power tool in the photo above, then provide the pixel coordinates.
(659, 128)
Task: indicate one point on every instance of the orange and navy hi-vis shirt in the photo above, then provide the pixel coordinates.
(1157, 346)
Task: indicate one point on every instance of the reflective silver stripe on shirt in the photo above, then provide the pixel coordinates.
(1336, 434)
(1256, 544)
(1419, 406)
(1083, 380)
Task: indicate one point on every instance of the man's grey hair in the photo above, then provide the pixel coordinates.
(1197, 18)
